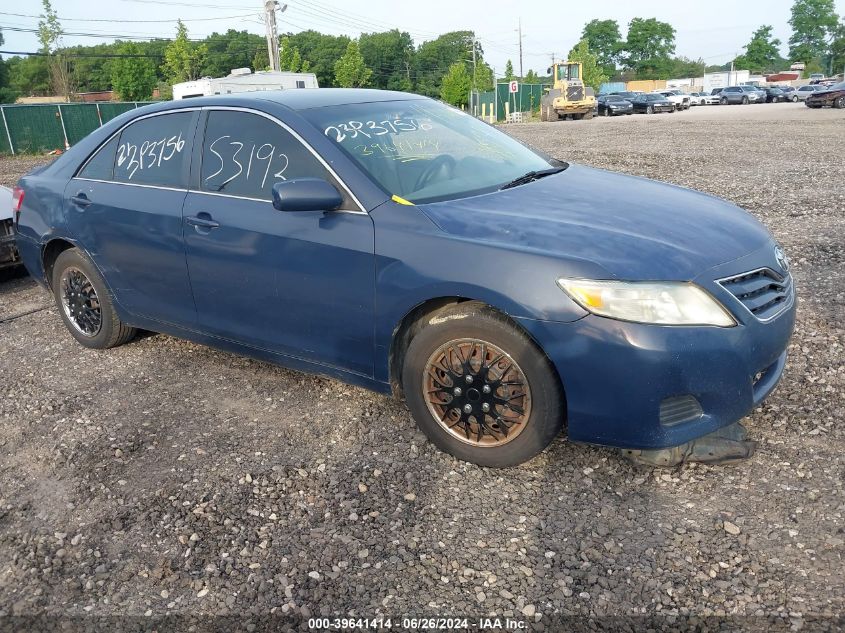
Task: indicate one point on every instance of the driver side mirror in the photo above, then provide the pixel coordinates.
(306, 194)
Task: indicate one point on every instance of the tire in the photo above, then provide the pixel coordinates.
(745, 101)
(649, 109)
(85, 304)
(606, 112)
(839, 103)
(794, 99)
(723, 101)
(462, 329)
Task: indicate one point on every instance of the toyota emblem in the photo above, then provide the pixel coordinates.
(782, 259)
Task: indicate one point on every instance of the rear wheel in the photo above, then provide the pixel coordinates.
(480, 389)
(85, 304)
(745, 101)
(839, 103)
(795, 99)
(649, 110)
(723, 101)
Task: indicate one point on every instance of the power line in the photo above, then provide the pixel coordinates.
(40, 54)
(224, 17)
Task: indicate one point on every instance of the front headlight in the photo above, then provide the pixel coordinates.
(660, 303)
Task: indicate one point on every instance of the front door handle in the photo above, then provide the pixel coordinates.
(80, 200)
(202, 221)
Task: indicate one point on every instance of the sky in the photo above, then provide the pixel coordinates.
(715, 30)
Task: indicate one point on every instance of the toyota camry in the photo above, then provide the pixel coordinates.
(393, 242)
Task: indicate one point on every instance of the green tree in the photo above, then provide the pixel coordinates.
(230, 50)
(593, 74)
(484, 77)
(761, 53)
(183, 59)
(350, 71)
(322, 52)
(648, 48)
(684, 67)
(509, 76)
(837, 49)
(390, 54)
(456, 85)
(531, 77)
(290, 58)
(133, 78)
(605, 42)
(813, 22)
(261, 61)
(7, 93)
(433, 59)
(50, 36)
(29, 76)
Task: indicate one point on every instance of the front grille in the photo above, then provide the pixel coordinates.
(575, 93)
(763, 292)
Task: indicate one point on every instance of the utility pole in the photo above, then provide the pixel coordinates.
(474, 69)
(520, 49)
(270, 7)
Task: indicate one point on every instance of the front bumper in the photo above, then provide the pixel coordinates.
(617, 374)
(8, 251)
(623, 110)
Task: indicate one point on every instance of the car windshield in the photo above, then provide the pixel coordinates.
(425, 151)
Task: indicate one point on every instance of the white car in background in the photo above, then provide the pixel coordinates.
(678, 98)
(8, 251)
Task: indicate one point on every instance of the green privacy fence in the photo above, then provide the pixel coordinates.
(36, 128)
(526, 99)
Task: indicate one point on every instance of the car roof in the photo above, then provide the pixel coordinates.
(302, 98)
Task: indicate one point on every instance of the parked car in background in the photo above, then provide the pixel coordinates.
(787, 91)
(759, 95)
(8, 250)
(627, 94)
(774, 95)
(635, 313)
(802, 93)
(650, 103)
(716, 91)
(833, 96)
(680, 100)
(710, 99)
(696, 98)
(736, 95)
(610, 105)
(816, 78)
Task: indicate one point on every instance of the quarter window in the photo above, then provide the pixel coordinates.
(101, 165)
(246, 154)
(155, 151)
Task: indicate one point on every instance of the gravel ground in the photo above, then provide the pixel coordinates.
(165, 478)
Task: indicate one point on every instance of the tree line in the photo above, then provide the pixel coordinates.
(447, 67)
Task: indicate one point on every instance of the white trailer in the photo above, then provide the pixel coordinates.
(244, 80)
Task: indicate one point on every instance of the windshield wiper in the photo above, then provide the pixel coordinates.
(531, 176)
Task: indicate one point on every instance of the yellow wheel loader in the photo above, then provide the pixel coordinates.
(569, 97)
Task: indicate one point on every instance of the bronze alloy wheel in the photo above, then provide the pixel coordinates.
(80, 302)
(477, 392)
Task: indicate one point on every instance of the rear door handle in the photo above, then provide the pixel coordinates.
(202, 221)
(80, 200)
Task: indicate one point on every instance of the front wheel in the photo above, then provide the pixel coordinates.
(794, 99)
(649, 110)
(839, 103)
(85, 304)
(723, 101)
(480, 389)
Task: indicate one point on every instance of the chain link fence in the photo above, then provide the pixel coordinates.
(29, 129)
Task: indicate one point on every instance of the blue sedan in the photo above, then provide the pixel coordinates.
(395, 243)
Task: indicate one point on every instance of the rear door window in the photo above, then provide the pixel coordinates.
(156, 151)
(245, 154)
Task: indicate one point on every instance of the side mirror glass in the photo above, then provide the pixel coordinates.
(306, 194)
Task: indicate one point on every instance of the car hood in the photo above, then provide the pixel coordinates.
(630, 227)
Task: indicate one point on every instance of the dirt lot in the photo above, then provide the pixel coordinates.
(167, 478)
